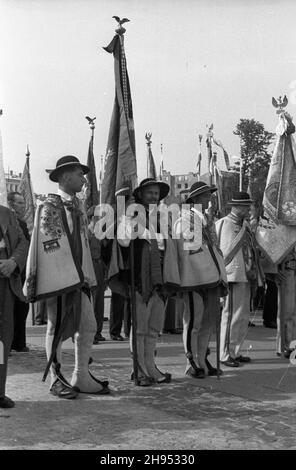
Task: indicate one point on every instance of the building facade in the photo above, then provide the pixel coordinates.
(179, 184)
(12, 181)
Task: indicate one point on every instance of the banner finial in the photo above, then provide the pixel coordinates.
(120, 30)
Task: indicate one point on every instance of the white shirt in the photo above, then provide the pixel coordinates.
(67, 197)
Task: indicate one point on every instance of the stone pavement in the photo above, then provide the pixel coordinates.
(246, 409)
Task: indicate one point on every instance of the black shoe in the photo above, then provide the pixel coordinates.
(104, 383)
(271, 324)
(99, 337)
(62, 390)
(287, 353)
(143, 380)
(116, 338)
(166, 379)
(212, 371)
(6, 402)
(231, 362)
(243, 359)
(197, 373)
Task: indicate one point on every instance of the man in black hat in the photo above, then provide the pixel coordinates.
(60, 269)
(154, 264)
(242, 267)
(198, 258)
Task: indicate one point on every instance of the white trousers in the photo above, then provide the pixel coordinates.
(235, 319)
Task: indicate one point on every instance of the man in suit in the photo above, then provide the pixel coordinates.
(21, 309)
(237, 243)
(13, 254)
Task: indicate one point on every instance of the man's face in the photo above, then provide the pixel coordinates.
(150, 195)
(18, 205)
(203, 199)
(74, 180)
(242, 211)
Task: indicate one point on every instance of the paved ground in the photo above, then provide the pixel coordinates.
(247, 409)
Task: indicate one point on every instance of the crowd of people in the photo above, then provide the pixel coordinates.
(189, 281)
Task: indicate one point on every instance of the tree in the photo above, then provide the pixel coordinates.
(255, 143)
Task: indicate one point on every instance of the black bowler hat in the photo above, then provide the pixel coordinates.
(198, 188)
(240, 199)
(63, 162)
(163, 187)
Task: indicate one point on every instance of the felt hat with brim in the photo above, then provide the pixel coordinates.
(198, 188)
(240, 199)
(66, 162)
(163, 187)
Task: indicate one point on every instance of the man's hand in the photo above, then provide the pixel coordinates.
(7, 266)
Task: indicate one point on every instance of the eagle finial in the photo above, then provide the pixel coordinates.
(148, 136)
(280, 103)
(91, 122)
(120, 30)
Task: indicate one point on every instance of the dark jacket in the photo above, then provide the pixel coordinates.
(17, 247)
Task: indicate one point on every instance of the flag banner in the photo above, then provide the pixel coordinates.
(226, 156)
(121, 165)
(209, 146)
(91, 191)
(26, 190)
(3, 191)
(249, 188)
(161, 162)
(276, 233)
(218, 184)
(161, 169)
(151, 170)
(198, 161)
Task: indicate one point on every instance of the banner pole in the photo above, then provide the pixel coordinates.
(134, 314)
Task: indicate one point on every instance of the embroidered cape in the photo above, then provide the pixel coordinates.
(52, 268)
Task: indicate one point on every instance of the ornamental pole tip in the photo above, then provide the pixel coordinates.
(91, 122)
(280, 103)
(120, 30)
(148, 136)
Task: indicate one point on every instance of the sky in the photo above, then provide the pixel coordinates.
(190, 62)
